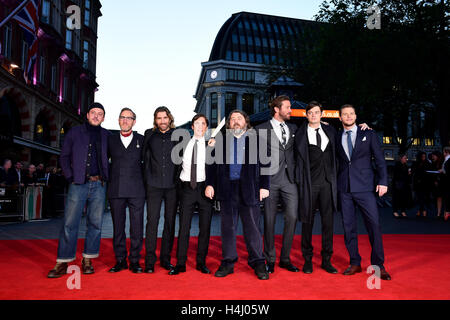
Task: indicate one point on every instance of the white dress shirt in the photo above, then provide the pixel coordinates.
(313, 140)
(126, 140)
(201, 161)
(277, 128)
(354, 131)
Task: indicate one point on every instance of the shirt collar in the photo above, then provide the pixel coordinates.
(277, 123)
(353, 129)
(314, 130)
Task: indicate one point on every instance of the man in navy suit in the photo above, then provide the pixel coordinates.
(357, 187)
(126, 189)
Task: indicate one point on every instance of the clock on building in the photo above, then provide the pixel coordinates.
(214, 74)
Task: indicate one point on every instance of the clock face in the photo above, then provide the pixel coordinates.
(214, 74)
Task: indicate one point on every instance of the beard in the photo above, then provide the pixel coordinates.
(238, 131)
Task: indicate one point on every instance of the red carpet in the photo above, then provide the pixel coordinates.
(418, 265)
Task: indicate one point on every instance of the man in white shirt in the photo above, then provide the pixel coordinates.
(191, 193)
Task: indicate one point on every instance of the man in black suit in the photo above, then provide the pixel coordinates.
(191, 193)
(126, 189)
(282, 182)
(316, 175)
(160, 179)
(237, 181)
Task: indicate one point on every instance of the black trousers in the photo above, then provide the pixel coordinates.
(322, 199)
(155, 196)
(189, 198)
(231, 209)
(118, 213)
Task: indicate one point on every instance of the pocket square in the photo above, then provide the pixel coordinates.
(364, 139)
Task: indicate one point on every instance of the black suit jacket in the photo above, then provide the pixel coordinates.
(290, 155)
(251, 180)
(126, 174)
(303, 171)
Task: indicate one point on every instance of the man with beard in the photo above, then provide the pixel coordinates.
(238, 184)
(126, 189)
(282, 183)
(160, 180)
(357, 187)
(84, 162)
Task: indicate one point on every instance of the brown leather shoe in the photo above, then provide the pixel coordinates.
(352, 270)
(87, 266)
(58, 271)
(384, 275)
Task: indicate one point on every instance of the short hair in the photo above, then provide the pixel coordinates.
(128, 109)
(277, 103)
(312, 105)
(169, 114)
(243, 113)
(346, 106)
(5, 161)
(198, 116)
(447, 149)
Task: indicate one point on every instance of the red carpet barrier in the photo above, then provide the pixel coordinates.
(418, 265)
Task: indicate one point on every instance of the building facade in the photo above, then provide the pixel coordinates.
(36, 116)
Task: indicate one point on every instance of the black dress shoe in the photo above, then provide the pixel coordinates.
(120, 265)
(270, 266)
(176, 270)
(167, 265)
(149, 268)
(351, 270)
(261, 272)
(202, 268)
(308, 267)
(289, 267)
(384, 275)
(58, 271)
(135, 267)
(328, 267)
(223, 271)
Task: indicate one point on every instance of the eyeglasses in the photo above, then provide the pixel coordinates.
(126, 118)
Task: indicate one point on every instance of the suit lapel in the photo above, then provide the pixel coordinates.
(340, 147)
(358, 141)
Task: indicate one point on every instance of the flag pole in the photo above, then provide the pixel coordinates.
(12, 14)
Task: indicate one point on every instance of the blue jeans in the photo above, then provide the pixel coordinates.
(93, 194)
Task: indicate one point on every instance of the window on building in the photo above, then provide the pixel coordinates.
(387, 140)
(240, 75)
(248, 103)
(214, 106)
(24, 55)
(42, 70)
(230, 102)
(6, 45)
(416, 142)
(53, 79)
(429, 142)
(69, 34)
(87, 13)
(66, 87)
(46, 6)
(85, 54)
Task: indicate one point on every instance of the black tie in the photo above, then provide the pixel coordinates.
(319, 139)
(283, 135)
(194, 166)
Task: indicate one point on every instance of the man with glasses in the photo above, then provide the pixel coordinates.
(126, 189)
(84, 162)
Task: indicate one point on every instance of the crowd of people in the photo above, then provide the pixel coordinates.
(424, 183)
(15, 180)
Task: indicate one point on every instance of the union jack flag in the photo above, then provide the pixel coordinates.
(28, 19)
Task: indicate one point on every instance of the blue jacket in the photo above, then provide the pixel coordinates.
(74, 154)
(360, 172)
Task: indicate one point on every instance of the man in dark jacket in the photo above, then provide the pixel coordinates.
(316, 176)
(160, 179)
(84, 162)
(126, 189)
(236, 181)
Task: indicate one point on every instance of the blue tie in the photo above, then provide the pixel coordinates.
(349, 144)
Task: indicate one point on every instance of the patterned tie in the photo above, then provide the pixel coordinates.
(283, 135)
(349, 144)
(194, 166)
(319, 139)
